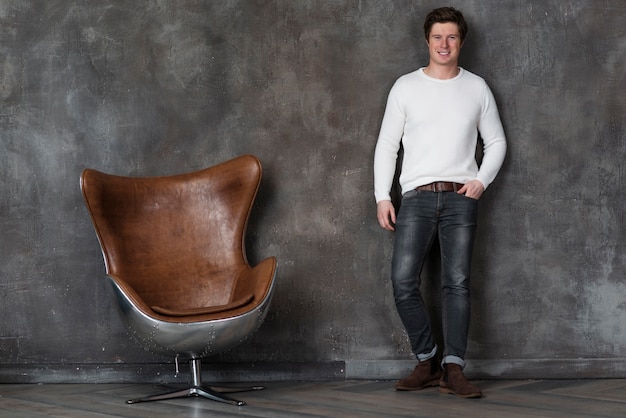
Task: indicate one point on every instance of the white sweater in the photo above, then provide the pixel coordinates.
(437, 122)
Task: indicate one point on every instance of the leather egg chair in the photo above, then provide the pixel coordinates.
(174, 254)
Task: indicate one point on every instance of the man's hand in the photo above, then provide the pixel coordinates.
(386, 214)
(473, 189)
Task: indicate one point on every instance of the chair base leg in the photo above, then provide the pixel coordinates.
(212, 393)
(199, 390)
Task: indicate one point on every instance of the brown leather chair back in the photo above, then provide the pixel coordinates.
(177, 241)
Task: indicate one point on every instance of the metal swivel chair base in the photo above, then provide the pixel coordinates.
(198, 389)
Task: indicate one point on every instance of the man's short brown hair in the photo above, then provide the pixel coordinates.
(444, 15)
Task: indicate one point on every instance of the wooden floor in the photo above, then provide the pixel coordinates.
(503, 399)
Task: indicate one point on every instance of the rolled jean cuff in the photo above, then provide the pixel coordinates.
(453, 360)
(427, 356)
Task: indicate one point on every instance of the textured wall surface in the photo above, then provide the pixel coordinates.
(161, 87)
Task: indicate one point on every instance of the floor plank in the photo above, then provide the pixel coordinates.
(358, 399)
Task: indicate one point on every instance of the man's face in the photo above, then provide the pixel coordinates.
(444, 44)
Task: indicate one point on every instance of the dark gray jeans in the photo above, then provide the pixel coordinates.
(422, 216)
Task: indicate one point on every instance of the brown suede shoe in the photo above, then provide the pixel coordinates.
(454, 382)
(426, 374)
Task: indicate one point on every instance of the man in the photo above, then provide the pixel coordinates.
(436, 113)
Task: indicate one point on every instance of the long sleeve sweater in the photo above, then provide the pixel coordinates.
(438, 122)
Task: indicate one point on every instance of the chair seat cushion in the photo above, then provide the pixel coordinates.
(205, 310)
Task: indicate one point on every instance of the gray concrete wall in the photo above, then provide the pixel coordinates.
(162, 87)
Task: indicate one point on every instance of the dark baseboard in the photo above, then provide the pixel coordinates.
(306, 371)
(166, 372)
(501, 369)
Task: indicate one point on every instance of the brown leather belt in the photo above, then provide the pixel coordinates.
(441, 186)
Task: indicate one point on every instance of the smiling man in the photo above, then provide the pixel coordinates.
(436, 114)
